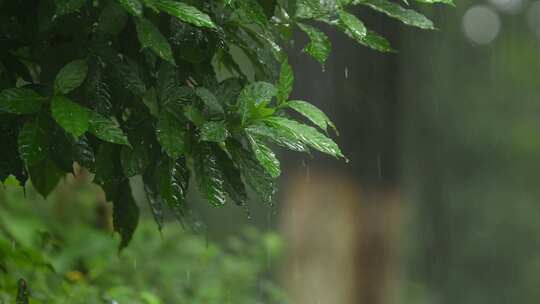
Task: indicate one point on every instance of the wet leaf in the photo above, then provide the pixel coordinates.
(265, 156)
(394, 10)
(70, 77)
(252, 172)
(234, 186)
(286, 82)
(72, 117)
(150, 37)
(106, 129)
(306, 134)
(134, 7)
(112, 19)
(319, 46)
(33, 143)
(215, 131)
(172, 179)
(184, 12)
(352, 26)
(254, 95)
(210, 178)
(20, 101)
(311, 112)
(171, 134)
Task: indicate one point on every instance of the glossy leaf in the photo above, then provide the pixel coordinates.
(134, 7)
(281, 137)
(311, 112)
(319, 46)
(252, 172)
(376, 42)
(150, 37)
(154, 199)
(253, 96)
(70, 77)
(352, 26)
(265, 156)
(171, 134)
(33, 143)
(394, 10)
(234, 186)
(286, 82)
(210, 178)
(72, 117)
(106, 129)
(306, 134)
(215, 131)
(184, 12)
(20, 101)
(172, 179)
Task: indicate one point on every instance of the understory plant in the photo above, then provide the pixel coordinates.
(166, 89)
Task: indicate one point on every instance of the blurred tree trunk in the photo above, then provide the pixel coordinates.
(342, 241)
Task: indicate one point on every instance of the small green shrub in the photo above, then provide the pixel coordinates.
(65, 255)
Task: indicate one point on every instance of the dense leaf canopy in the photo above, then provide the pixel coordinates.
(157, 88)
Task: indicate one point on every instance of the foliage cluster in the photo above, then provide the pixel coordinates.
(65, 255)
(165, 89)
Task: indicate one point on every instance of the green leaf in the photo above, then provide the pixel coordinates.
(20, 101)
(106, 129)
(125, 214)
(184, 12)
(286, 82)
(70, 77)
(72, 117)
(64, 7)
(311, 112)
(449, 2)
(309, 9)
(210, 178)
(265, 156)
(377, 42)
(215, 131)
(306, 134)
(280, 137)
(83, 154)
(251, 12)
(128, 71)
(112, 19)
(172, 179)
(134, 7)
(150, 37)
(32, 143)
(45, 175)
(150, 101)
(253, 96)
(319, 46)
(253, 173)
(234, 186)
(209, 99)
(134, 160)
(352, 26)
(154, 199)
(171, 134)
(407, 16)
